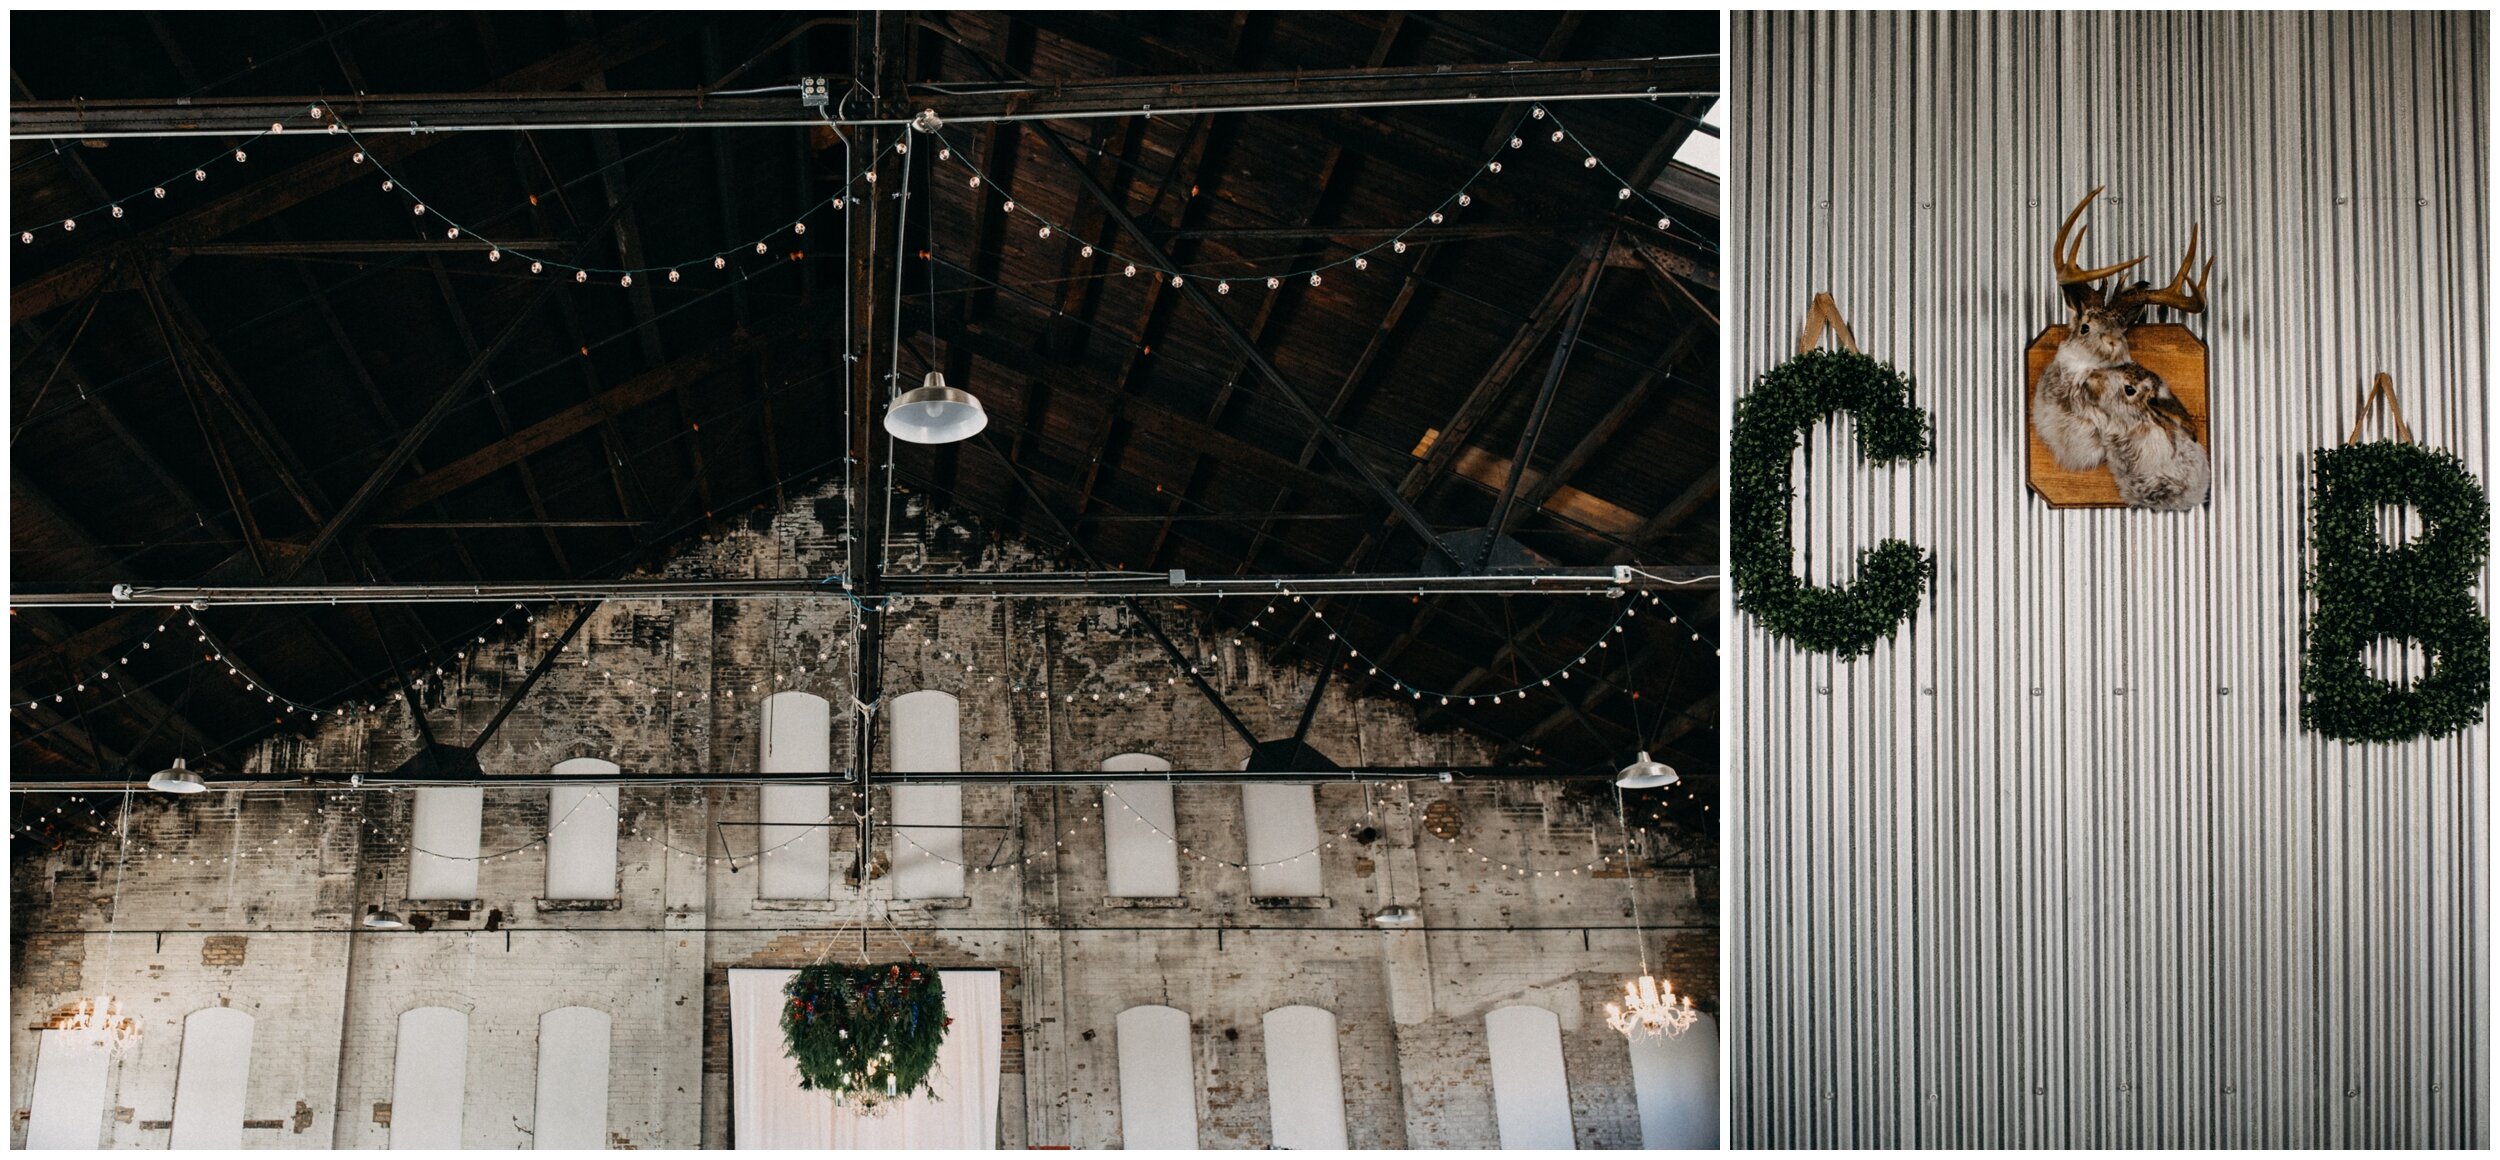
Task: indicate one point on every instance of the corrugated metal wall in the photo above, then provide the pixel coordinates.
(2058, 867)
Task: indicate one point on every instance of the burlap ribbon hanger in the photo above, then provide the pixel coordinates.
(1822, 317)
(2382, 388)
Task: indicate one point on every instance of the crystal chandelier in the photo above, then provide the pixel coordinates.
(102, 1018)
(1651, 1006)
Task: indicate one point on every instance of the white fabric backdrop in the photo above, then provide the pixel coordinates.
(67, 1109)
(769, 1110)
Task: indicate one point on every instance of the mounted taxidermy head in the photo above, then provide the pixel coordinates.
(2073, 406)
(2097, 322)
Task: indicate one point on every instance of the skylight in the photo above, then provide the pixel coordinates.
(1703, 150)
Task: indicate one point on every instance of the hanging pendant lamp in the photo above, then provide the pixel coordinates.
(1644, 773)
(179, 779)
(935, 413)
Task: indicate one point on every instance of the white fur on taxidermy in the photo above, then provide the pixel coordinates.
(2150, 442)
(2094, 402)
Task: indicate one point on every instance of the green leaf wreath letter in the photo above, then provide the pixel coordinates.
(2422, 590)
(1770, 419)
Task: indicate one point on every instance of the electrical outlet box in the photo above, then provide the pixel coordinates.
(813, 93)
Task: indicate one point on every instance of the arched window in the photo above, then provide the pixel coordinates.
(1140, 860)
(443, 836)
(1675, 1080)
(581, 833)
(797, 738)
(928, 846)
(66, 1109)
(572, 1079)
(1305, 1089)
(1158, 1079)
(1280, 827)
(430, 1078)
(1531, 1101)
(209, 1088)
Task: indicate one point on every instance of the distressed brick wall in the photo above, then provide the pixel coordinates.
(256, 894)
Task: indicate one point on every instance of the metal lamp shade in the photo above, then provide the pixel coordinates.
(178, 779)
(1646, 774)
(935, 413)
(1396, 917)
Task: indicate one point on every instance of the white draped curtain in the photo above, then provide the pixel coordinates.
(769, 1110)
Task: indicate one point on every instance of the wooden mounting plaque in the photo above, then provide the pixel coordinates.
(2165, 348)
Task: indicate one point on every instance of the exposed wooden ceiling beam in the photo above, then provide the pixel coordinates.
(651, 385)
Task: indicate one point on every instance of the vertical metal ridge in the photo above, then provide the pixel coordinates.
(2081, 916)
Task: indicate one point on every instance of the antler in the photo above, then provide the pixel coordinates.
(2181, 295)
(2068, 273)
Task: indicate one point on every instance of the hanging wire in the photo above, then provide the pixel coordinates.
(1372, 665)
(157, 190)
(1624, 823)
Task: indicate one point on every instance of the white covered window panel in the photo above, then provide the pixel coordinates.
(66, 1110)
(572, 1079)
(798, 738)
(430, 1078)
(928, 845)
(1158, 1083)
(442, 860)
(1138, 829)
(581, 838)
(209, 1086)
(1675, 1080)
(1280, 824)
(1531, 1103)
(1305, 1092)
